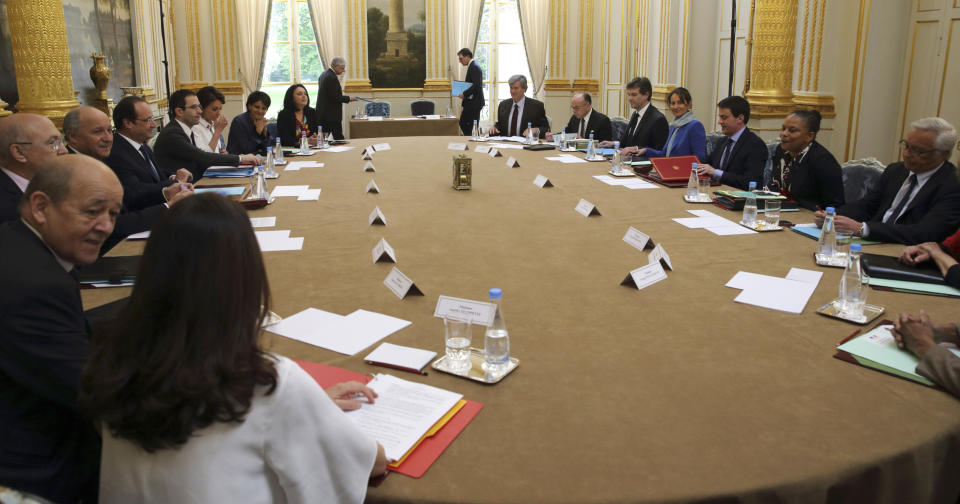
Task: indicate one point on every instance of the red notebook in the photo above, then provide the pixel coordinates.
(674, 169)
(417, 463)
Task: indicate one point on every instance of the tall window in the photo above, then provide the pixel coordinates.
(500, 53)
(291, 53)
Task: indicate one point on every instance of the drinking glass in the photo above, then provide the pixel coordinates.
(456, 337)
(771, 213)
(704, 188)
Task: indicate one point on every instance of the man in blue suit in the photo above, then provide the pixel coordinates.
(472, 97)
(740, 158)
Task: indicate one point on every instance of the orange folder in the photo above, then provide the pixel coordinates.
(416, 462)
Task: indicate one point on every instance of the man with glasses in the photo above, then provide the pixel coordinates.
(26, 142)
(915, 201)
(586, 120)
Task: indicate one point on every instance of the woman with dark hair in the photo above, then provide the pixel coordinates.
(248, 131)
(687, 136)
(191, 408)
(803, 169)
(208, 133)
(297, 117)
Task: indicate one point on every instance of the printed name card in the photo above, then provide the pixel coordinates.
(494, 153)
(376, 217)
(477, 312)
(512, 162)
(366, 156)
(482, 149)
(456, 146)
(659, 255)
(542, 181)
(381, 147)
(399, 284)
(383, 252)
(637, 240)
(373, 188)
(645, 276)
(369, 167)
(586, 208)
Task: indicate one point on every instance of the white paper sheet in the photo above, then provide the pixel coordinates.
(506, 146)
(259, 222)
(288, 190)
(347, 335)
(725, 230)
(338, 148)
(297, 165)
(381, 147)
(274, 241)
(309, 195)
(375, 118)
(139, 236)
(783, 294)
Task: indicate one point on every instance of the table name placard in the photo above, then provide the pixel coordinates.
(637, 240)
(512, 162)
(456, 146)
(660, 255)
(381, 147)
(586, 209)
(366, 156)
(400, 284)
(383, 252)
(645, 276)
(369, 167)
(494, 152)
(377, 217)
(477, 312)
(373, 188)
(482, 149)
(542, 181)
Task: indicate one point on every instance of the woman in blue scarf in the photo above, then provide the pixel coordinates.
(687, 136)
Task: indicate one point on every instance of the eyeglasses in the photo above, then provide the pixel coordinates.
(55, 144)
(915, 150)
(144, 119)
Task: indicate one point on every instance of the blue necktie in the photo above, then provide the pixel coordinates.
(146, 155)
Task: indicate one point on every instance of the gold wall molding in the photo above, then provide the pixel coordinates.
(589, 85)
(585, 50)
(436, 85)
(811, 45)
(771, 65)
(358, 71)
(660, 92)
(821, 103)
(229, 87)
(556, 85)
(41, 58)
(856, 82)
(557, 67)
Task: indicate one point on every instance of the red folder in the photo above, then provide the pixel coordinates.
(430, 448)
(674, 168)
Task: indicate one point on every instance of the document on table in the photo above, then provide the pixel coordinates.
(566, 159)
(337, 148)
(381, 147)
(712, 222)
(630, 183)
(309, 195)
(288, 190)
(344, 334)
(273, 241)
(258, 222)
(506, 146)
(403, 412)
(400, 356)
(140, 236)
(297, 165)
(880, 349)
(789, 294)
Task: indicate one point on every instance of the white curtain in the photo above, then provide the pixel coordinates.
(463, 23)
(253, 17)
(535, 24)
(329, 18)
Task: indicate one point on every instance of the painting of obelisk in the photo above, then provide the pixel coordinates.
(396, 43)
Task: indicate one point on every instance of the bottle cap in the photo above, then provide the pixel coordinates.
(495, 293)
(855, 247)
(830, 209)
(693, 165)
(753, 185)
(269, 149)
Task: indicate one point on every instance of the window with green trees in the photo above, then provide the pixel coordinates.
(500, 53)
(291, 54)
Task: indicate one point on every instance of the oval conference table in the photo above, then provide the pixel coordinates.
(672, 393)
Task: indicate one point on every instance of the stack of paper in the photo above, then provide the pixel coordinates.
(344, 334)
(273, 241)
(566, 159)
(263, 221)
(788, 294)
(705, 219)
(297, 165)
(628, 182)
(400, 357)
(506, 146)
(337, 148)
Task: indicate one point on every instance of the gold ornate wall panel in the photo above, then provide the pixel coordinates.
(41, 59)
(948, 103)
(557, 78)
(437, 79)
(585, 37)
(856, 81)
(772, 56)
(358, 72)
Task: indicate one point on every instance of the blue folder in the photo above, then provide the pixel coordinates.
(459, 87)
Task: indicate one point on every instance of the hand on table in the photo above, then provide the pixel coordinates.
(915, 254)
(249, 159)
(344, 394)
(492, 130)
(914, 332)
(705, 169)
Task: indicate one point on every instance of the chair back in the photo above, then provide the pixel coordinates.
(617, 126)
(378, 109)
(422, 107)
(768, 165)
(858, 180)
(272, 133)
(549, 124)
(714, 140)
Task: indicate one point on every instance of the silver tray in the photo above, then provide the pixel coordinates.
(476, 372)
(621, 173)
(701, 198)
(761, 229)
(833, 261)
(870, 313)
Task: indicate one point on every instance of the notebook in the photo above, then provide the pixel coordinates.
(674, 169)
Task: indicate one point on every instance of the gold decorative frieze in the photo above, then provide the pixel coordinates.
(661, 91)
(588, 85)
(822, 103)
(229, 87)
(771, 65)
(357, 85)
(556, 85)
(436, 85)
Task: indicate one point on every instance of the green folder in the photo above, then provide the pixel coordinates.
(915, 287)
(878, 350)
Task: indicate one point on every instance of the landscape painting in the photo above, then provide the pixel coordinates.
(397, 43)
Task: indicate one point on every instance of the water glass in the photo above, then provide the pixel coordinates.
(771, 213)
(704, 188)
(457, 336)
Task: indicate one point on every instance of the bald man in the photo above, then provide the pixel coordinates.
(68, 211)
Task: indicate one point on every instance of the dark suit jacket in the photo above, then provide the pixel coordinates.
(747, 158)
(651, 133)
(533, 112)
(244, 139)
(287, 125)
(473, 96)
(174, 150)
(932, 215)
(599, 124)
(10, 196)
(141, 189)
(47, 448)
(815, 181)
(330, 100)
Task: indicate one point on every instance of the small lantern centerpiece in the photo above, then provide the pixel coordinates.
(462, 172)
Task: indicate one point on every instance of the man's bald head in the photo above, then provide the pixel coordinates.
(73, 202)
(26, 142)
(87, 130)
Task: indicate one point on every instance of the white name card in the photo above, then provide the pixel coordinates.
(369, 167)
(399, 284)
(645, 276)
(494, 153)
(375, 118)
(456, 146)
(482, 149)
(366, 156)
(659, 255)
(542, 181)
(586, 208)
(383, 252)
(381, 147)
(477, 312)
(373, 188)
(637, 240)
(512, 162)
(376, 217)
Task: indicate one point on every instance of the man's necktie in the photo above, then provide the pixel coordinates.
(146, 155)
(636, 125)
(725, 158)
(583, 127)
(903, 201)
(513, 120)
(192, 139)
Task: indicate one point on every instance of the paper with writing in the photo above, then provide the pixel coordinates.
(494, 153)
(512, 162)
(645, 276)
(660, 255)
(586, 208)
(381, 147)
(542, 181)
(383, 252)
(637, 240)
(456, 146)
(400, 284)
(377, 217)
(477, 312)
(482, 149)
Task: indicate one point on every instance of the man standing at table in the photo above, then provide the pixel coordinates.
(585, 120)
(740, 158)
(647, 127)
(330, 98)
(515, 112)
(472, 97)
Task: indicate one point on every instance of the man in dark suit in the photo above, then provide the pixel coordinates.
(175, 147)
(26, 142)
(514, 113)
(740, 158)
(585, 120)
(49, 449)
(647, 127)
(915, 201)
(330, 98)
(472, 97)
